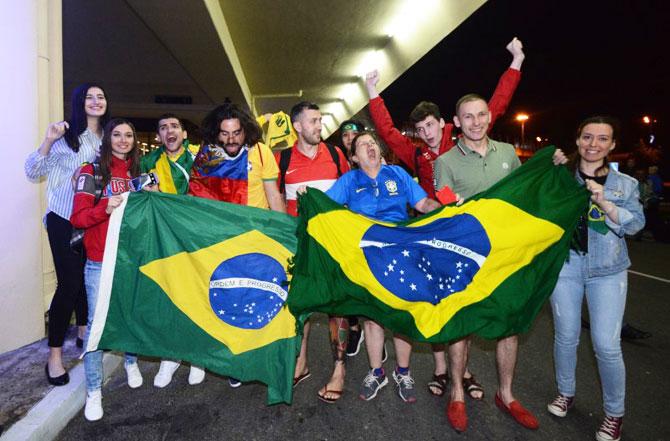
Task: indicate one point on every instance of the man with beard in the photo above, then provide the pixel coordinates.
(233, 165)
(172, 163)
(312, 163)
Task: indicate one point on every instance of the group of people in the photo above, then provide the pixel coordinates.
(233, 165)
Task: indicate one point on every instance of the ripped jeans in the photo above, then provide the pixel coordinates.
(606, 301)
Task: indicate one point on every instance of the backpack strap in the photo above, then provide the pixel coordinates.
(336, 157)
(97, 179)
(284, 160)
(417, 155)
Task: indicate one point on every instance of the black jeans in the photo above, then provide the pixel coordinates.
(70, 292)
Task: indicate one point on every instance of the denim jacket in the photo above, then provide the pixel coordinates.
(608, 253)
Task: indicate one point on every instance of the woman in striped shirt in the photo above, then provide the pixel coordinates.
(66, 146)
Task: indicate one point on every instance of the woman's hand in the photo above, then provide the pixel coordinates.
(597, 191)
(56, 130)
(113, 203)
(302, 189)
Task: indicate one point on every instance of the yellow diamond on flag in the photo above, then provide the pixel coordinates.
(234, 290)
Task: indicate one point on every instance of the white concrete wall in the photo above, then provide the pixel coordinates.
(31, 94)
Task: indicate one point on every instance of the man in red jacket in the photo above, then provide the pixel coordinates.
(436, 135)
(431, 128)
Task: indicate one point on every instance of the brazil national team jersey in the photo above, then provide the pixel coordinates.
(384, 198)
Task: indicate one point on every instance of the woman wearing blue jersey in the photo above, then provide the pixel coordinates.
(381, 192)
(66, 146)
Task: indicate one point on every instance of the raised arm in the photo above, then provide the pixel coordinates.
(508, 82)
(36, 164)
(401, 145)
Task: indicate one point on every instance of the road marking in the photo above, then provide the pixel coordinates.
(649, 276)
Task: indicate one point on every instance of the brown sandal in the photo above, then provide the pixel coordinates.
(471, 386)
(325, 399)
(438, 382)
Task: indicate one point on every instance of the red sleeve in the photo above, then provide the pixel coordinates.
(503, 94)
(401, 145)
(277, 156)
(85, 212)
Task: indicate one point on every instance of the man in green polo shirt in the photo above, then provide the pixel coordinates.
(475, 164)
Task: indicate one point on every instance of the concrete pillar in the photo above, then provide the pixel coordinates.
(31, 89)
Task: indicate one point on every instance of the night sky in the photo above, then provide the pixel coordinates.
(582, 58)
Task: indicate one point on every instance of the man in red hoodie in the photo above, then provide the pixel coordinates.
(430, 127)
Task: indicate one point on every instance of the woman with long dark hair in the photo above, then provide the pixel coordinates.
(596, 268)
(119, 162)
(66, 146)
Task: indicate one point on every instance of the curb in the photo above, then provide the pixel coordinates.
(51, 414)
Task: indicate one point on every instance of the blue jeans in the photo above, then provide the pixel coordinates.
(606, 300)
(93, 360)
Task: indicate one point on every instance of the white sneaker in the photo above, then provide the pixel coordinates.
(196, 375)
(134, 375)
(165, 373)
(93, 409)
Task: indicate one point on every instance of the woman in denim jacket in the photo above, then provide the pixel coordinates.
(596, 267)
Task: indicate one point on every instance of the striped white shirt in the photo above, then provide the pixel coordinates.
(59, 166)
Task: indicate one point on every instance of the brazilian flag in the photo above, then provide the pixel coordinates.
(485, 267)
(203, 281)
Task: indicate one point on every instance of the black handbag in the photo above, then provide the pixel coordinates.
(77, 238)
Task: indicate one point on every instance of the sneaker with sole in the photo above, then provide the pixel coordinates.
(610, 429)
(93, 409)
(196, 375)
(405, 386)
(134, 375)
(561, 405)
(234, 383)
(165, 373)
(355, 341)
(371, 385)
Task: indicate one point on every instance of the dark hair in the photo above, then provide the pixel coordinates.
(466, 99)
(573, 160)
(211, 125)
(300, 107)
(78, 121)
(423, 110)
(371, 134)
(106, 151)
(166, 116)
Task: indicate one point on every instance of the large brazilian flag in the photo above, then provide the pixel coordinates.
(485, 267)
(193, 279)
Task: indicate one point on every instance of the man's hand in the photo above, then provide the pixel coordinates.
(371, 80)
(113, 203)
(515, 47)
(559, 157)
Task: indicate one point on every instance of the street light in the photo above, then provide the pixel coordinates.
(646, 119)
(522, 118)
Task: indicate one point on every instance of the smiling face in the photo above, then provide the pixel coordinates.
(594, 143)
(473, 119)
(231, 136)
(122, 140)
(367, 152)
(95, 103)
(430, 131)
(171, 134)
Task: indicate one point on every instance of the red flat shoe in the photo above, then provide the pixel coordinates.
(519, 413)
(457, 416)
